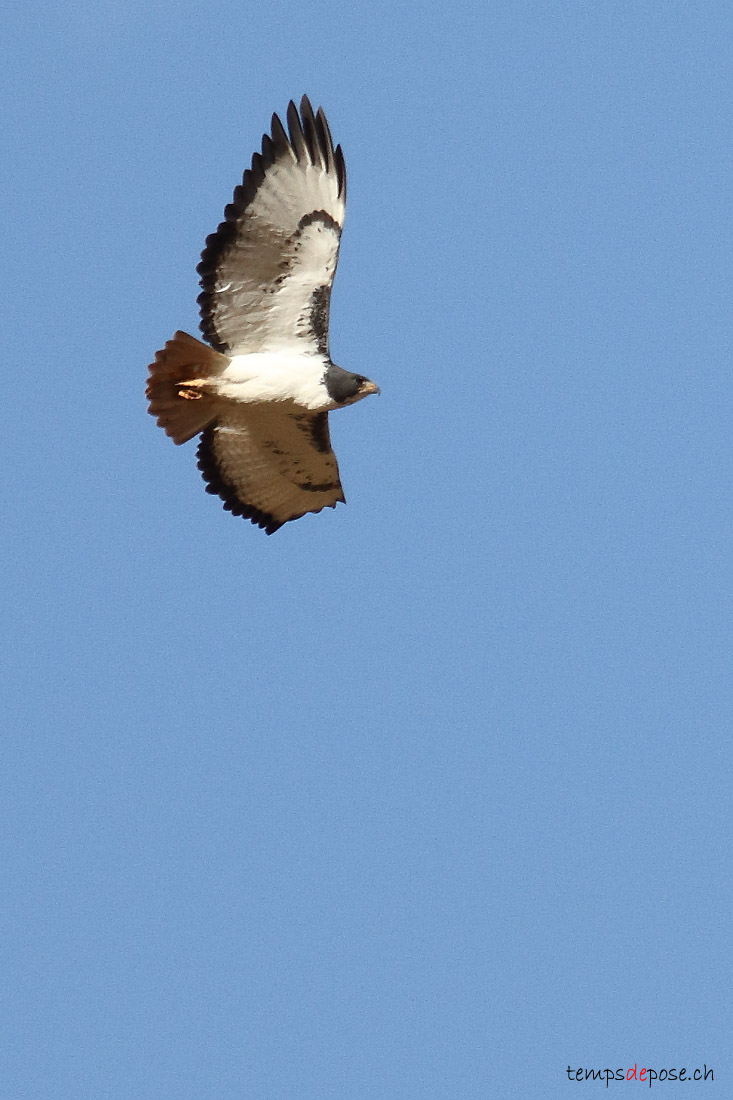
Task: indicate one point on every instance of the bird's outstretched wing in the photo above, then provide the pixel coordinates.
(267, 271)
(270, 463)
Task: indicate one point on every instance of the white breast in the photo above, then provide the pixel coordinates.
(276, 376)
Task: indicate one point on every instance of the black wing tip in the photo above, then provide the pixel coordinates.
(278, 138)
(298, 128)
(338, 156)
(316, 151)
(310, 135)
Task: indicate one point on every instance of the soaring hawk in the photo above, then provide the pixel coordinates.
(260, 394)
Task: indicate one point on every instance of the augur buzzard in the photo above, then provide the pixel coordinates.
(260, 394)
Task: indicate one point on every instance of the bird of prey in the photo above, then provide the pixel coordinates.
(260, 391)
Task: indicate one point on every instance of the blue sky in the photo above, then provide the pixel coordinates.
(428, 796)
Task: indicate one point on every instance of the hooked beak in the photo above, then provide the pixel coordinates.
(370, 387)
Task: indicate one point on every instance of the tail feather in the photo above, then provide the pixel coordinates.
(177, 392)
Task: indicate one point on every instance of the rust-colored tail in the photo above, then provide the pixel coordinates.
(178, 394)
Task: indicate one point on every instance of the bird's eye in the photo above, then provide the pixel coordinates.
(360, 380)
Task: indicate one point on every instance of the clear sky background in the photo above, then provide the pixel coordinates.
(428, 796)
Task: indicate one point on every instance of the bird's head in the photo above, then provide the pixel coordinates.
(345, 388)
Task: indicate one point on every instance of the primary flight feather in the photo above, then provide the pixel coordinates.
(260, 394)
